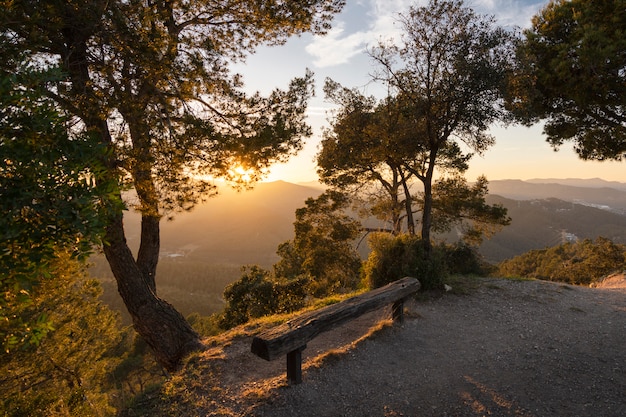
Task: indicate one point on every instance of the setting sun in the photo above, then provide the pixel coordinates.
(240, 174)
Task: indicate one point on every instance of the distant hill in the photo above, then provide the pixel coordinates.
(202, 250)
(240, 228)
(313, 184)
(541, 223)
(234, 227)
(578, 182)
(607, 198)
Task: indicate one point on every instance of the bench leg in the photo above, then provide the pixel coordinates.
(294, 366)
(397, 311)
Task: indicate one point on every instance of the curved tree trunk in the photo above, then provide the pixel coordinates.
(149, 248)
(164, 329)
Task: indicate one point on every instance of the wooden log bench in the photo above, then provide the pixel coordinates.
(291, 337)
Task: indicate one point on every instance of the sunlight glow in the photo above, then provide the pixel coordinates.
(240, 174)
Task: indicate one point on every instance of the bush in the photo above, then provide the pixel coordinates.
(323, 246)
(257, 294)
(394, 257)
(463, 259)
(205, 326)
(580, 263)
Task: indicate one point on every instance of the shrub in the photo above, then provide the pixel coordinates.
(394, 257)
(258, 294)
(580, 263)
(463, 259)
(323, 246)
(205, 325)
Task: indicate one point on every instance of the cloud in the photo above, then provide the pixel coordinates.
(483, 4)
(360, 24)
(336, 48)
(520, 16)
(509, 13)
(365, 22)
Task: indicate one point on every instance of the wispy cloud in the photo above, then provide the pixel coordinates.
(486, 4)
(515, 13)
(340, 45)
(380, 22)
(336, 47)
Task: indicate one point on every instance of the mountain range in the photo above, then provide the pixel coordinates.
(578, 182)
(240, 228)
(203, 250)
(597, 193)
(234, 227)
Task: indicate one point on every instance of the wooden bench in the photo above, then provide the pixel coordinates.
(291, 337)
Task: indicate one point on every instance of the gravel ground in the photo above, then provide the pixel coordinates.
(508, 348)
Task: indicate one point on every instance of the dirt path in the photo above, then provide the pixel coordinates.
(509, 348)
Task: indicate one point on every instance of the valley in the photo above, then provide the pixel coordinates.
(204, 250)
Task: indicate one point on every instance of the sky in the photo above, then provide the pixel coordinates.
(519, 153)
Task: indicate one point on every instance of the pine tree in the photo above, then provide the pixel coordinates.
(67, 372)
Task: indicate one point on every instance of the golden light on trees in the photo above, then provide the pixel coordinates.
(241, 176)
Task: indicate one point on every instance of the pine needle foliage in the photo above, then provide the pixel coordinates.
(67, 372)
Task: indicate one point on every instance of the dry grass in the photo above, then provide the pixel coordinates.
(333, 355)
(227, 380)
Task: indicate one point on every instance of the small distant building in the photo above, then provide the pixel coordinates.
(568, 237)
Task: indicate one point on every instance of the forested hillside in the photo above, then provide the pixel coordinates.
(541, 223)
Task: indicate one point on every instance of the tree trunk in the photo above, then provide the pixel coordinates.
(164, 329)
(396, 214)
(427, 211)
(396, 211)
(408, 205)
(149, 248)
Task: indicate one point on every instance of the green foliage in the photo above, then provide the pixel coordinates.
(395, 257)
(150, 83)
(205, 326)
(463, 259)
(48, 194)
(257, 294)
(572, 44)
(323, 246)
(456, 203)
(136, 372)
(580, 263)
(67, 372)
(367, 148)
